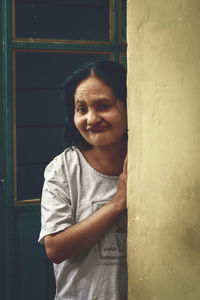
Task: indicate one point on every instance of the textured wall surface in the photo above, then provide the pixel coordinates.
(164, 149)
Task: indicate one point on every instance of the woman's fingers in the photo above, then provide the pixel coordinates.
(125, 165)
(120, 196)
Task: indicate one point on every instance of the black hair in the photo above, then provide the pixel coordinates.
(113, 74)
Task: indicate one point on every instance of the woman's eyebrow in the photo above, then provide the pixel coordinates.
(96, 101)
(104, 99)
(77, 102)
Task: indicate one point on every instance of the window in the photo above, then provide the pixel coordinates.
(51, 38)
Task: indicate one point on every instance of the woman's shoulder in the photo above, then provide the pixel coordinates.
(68, 154)
(63, 161)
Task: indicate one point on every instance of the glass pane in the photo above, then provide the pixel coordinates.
(29, 181)
(62, 19)
(123, 60)
(123, 20)
(40, 113)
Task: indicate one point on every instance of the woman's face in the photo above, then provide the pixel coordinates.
(99, 116)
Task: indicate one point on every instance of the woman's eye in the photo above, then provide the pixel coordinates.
(105, 106)
(82, 110)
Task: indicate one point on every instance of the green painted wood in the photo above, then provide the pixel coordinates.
(7, 213)
(2, 166)
(32, 268)
(57, 45)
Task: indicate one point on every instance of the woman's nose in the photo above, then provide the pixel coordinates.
(93, 118)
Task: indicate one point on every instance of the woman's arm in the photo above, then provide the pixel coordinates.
(85, 234)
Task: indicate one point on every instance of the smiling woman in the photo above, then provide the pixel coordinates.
(105, 84)
(84, 194)
(99, 116)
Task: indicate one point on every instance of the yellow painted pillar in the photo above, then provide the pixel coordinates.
(164, 149)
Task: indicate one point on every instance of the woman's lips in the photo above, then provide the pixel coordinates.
(96, 128)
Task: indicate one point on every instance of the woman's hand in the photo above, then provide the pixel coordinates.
(120, 196)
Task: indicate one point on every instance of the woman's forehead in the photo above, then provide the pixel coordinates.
(93, 86)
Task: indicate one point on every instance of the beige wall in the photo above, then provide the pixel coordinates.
(164, 149)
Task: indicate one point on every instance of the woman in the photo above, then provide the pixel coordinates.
(84, 194)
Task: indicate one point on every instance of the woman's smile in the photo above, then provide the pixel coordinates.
(96, 128)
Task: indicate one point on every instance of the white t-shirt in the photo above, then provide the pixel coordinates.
(72, 191)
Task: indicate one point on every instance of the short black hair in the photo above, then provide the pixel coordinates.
(112, 73)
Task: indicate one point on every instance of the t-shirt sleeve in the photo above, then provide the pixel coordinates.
(56, 207)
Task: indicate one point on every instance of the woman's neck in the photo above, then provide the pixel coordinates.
(106, 160)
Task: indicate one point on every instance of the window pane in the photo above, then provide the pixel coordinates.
(123, 20)
(29, 181)
(40, 113)
(123, 59)
(62, 19)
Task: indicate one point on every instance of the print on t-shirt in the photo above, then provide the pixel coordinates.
(111, 249)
